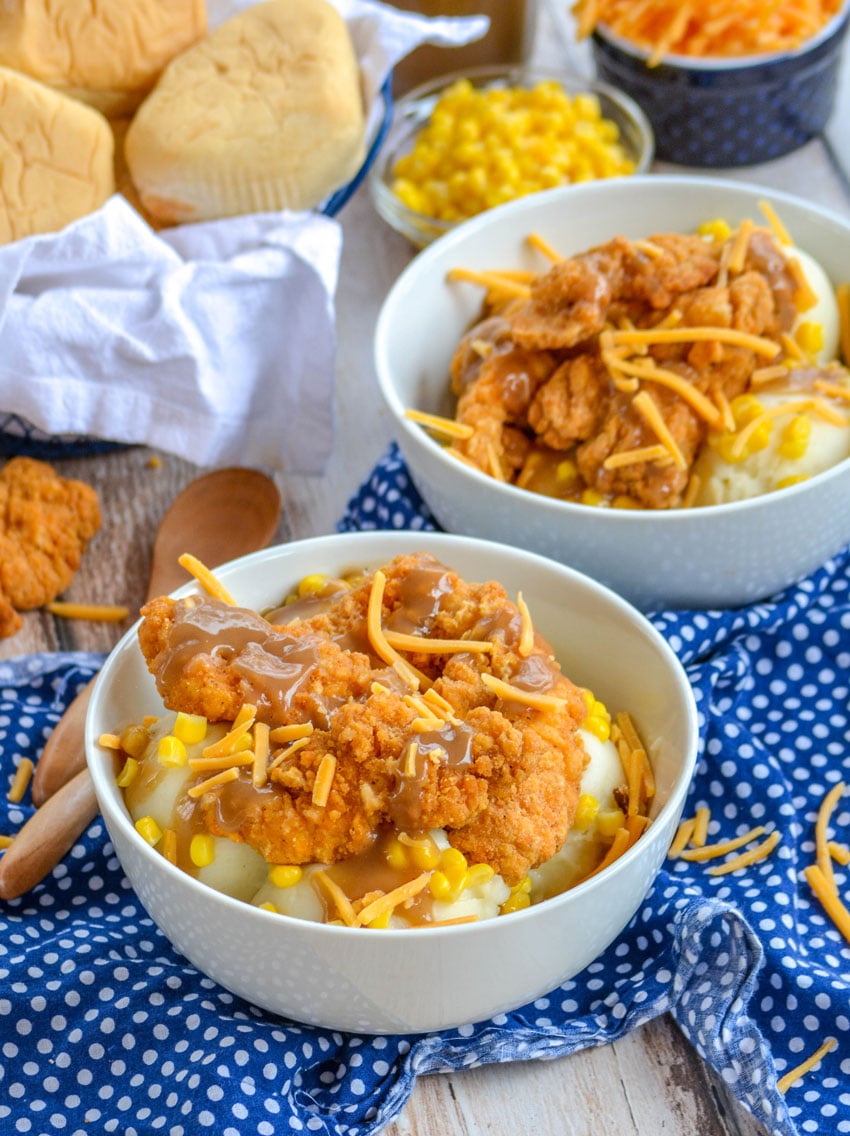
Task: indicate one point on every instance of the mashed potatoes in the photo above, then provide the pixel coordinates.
(395, 749)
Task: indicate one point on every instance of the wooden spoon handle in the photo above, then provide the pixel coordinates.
(64, 753)
(46, 837)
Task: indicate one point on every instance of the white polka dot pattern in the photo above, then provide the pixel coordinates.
(105, 1028)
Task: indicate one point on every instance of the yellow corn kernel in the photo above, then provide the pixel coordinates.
(725, 446)
(128, 773)
(396, 854)
(745, 407)
(598, 726)
(425, 854)
(477, 875)
(760, 437)
(149, 830)
(794, 479)
(268, 907)
(285, 875)
(440, 886)
(382, 921)
(453, 865)
(519, 898)
(190, 728)
(623, 501)
(202, 849)
(566, 471)
(796, 437)
(171, 751)
(586, 812)
(718, 230)
(313, 584)
(592, 497)
(809, 337)
(608, 821)
(134, 740)
(515, 902)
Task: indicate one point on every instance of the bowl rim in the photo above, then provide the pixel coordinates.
(394, 211)
(554, 506)
(115, 811)
(709, 63)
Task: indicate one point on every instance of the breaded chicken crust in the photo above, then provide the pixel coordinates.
(46, 522)
(501, 776)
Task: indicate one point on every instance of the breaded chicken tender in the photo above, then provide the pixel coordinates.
(46, 522)
(498, 770)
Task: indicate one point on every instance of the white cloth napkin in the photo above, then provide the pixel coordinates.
(213, 341)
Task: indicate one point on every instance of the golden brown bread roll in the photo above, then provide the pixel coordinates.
(108, 54)
(265, 113)
(56, 158)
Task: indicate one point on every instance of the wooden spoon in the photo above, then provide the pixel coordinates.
(218, 517)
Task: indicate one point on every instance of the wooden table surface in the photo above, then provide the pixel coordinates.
(648, 1082)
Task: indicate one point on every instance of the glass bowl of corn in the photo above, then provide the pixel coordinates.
(466, 142)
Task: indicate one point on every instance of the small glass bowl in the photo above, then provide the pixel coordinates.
(413, 111)
(729, 112)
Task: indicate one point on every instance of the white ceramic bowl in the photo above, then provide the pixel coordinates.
(420, 979)
(715, 556)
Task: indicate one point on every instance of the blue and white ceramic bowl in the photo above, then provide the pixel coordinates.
(717, 112)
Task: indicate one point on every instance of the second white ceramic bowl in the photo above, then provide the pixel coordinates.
(395, 981)
(717, 556)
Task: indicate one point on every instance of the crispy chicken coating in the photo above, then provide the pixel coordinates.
(46, 522)
(499, 774)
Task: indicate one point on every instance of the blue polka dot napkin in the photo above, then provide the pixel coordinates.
(105, 1028)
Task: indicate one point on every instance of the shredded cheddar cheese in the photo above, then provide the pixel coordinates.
(21, 780)
(751, 856)
(511, 693)
(392, 899)
(210, 583)
(755, 343)
(377, 638)
(832, 904)
(338, 898)
(284, 754)
(842, 299)
(324, 780)
(712, 851)
(214, 782)
(682, 838)
(102, 613)
(414, 643)
(526, 636)
(294, 732)
(638, 454)
(440, 425)
(789, 1079)
(822, 856)
(492, 281)
(646, 405)
(701, 822)
(538, 242)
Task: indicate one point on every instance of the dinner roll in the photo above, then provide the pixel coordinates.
(56, 158)
(107, 54)
(265, 113)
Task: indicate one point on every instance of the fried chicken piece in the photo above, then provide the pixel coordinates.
(570, 405)
(654, 485)
(496, 381)
(500, 776)
(570, 303)
(46, 522)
